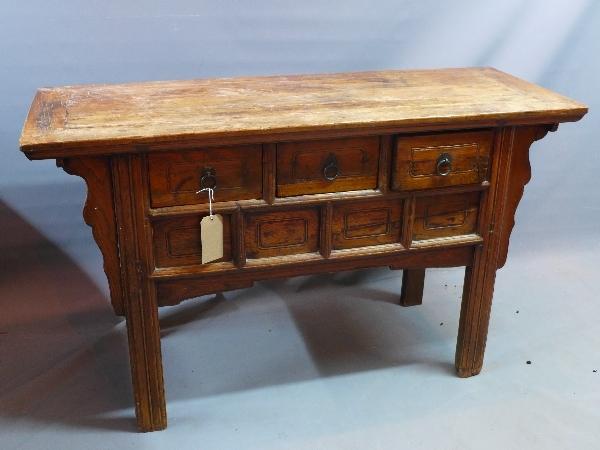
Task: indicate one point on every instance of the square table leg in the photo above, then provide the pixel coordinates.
(413, 281)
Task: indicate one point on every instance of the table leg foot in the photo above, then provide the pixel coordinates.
(474, 320)
(143, 333)
(413, 281)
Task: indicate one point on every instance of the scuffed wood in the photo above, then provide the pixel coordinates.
(104, 118)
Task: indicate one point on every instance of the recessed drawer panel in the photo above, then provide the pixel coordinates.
(360, 224)
(175, 177)
(441, 159)
(333, 165)
(446, 215)
(281, 233)
(177, 241)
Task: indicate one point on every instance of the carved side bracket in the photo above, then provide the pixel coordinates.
(520, 174)
(99, 214)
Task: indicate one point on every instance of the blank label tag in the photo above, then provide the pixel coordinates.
(211, 234)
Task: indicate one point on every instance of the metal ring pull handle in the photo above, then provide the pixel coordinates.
(208, 178)
(331, 170)
(443, 166)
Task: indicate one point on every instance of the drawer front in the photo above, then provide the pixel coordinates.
(281, 233)
(360, 224)
(176, 176)
(333, 165)
(443, 159)
(446, 215)
(177, 241)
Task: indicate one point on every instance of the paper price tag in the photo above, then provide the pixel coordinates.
(211, 235)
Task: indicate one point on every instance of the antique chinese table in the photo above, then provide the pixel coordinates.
(309, 174)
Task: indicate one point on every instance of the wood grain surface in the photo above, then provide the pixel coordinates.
(82, 119)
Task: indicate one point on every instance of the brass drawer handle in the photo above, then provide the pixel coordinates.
(208, 178)
(443, 165)
(331, 170)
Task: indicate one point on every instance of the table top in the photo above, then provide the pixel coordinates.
(66, 120)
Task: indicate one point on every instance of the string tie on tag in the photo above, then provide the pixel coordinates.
(211, 198)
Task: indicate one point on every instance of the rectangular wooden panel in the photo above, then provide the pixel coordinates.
(441, 159)
(351, 164)
(445, 215)
(281, 233)
(177, 241)
(364, 223)
(175, 176)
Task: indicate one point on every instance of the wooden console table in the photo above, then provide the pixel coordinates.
(311, 174)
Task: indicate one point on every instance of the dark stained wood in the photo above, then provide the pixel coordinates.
(301, 166)
(177, 241)
(285, 232)
(99, 213)
(269, 172)
(445, 215)
(325, 237)
(175, 177)
(416, 158)
(364, 223)
(408, 220)
(73, 120)
(143, 147)
(384, 169)
(239, 247)
(413, 282)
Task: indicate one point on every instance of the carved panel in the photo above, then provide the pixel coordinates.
(268, 233)
(177, 241)
(281, 233)
(175, 176)
(99, 214)
(301, 165)
(360, 224)
(445, 215)
(519, 140)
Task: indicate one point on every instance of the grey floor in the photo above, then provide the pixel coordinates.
(321, 362)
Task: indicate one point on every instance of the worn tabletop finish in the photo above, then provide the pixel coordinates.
(88, 118)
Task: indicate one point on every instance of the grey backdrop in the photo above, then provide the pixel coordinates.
(325, 381)
(555, 43)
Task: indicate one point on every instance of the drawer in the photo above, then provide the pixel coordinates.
(441, 159)
(364, 223)
(445, 215)
(177, 241)
(176, 176)
(332, 165)
(280, 233)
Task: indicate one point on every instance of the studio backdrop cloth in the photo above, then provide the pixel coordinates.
(315, 362)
